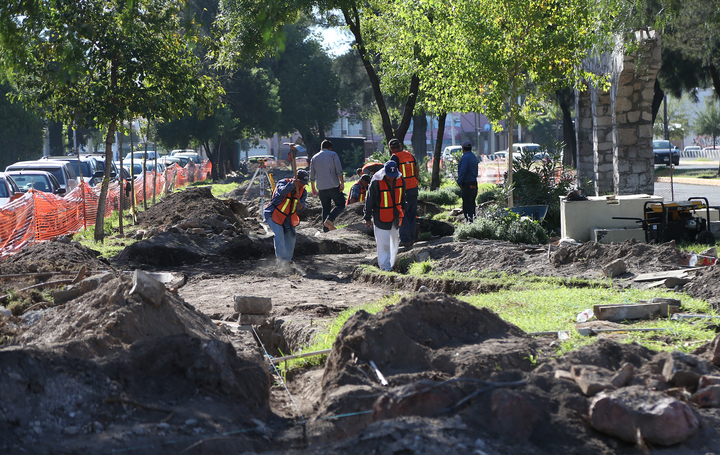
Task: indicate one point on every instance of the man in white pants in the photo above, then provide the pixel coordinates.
(385, 204)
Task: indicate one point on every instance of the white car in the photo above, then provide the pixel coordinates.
(62, 170)
(8, 188)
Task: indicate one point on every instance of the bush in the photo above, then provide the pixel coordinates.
(446, 195)
(497, 223)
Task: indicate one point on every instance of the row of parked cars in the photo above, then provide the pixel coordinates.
(60, 174)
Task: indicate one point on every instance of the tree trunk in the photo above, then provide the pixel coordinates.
(435, 180)
(565, 97)
(121, 180)
(658, 96)
(56, 138)
(419, 137)
(352, 19)
(715, 78)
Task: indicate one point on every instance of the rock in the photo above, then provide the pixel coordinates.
(66, 295)
(228, 233)
(196, 231)
(660, 419)
(708, 397)
(615, 268)
(623, 376)
(5, 312)
(715, 351)
(684, 370)
(712, 252)
(151, 290)
(423, 398)
(513, 414)
(592, 379)
(190, 224)
(139, 235)
(71, 430)
(252, 319)
(252, 304)
(707, 381)
(423, 289)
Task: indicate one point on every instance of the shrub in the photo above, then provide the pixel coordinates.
(446, 195)
(497, 223)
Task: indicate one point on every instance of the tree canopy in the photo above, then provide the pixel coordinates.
(97, 63)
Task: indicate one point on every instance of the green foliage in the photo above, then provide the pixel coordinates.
(446, 195)
(496, 223)
(380, 157)
(707, 120)
(542, 182)
(678, 121)
(421, 268)
(424, 176)
(21, 131)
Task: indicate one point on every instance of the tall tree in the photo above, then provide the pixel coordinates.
(309, 89)
(97, 63)
(21, 131)
(708, 119)
(255, 28)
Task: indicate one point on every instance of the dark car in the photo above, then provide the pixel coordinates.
(665, 153)
(82, 165)
(38, 180)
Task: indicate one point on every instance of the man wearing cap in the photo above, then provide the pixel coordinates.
(408, 168)
(385, 205)
(281, 215)
(467, 180)
(326, 169)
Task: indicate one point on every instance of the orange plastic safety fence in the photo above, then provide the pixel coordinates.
(38, 216)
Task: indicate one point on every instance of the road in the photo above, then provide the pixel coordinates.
(682, 191)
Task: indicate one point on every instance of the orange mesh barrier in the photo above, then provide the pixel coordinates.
(37, 216)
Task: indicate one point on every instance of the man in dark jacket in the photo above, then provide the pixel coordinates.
(385, 205)
(467, 180)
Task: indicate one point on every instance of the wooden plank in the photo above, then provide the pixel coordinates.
(631, 311)
(662, 275)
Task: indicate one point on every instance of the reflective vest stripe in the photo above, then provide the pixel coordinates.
(287, 207)
(387, 207)
(407, 168)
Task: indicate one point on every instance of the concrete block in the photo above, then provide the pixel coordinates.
(708, 380)
(615, 268)
(708, 397)
(148, 288)
(617, 235)
(630, 311)
(252, 304)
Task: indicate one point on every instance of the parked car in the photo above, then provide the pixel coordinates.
(518, 149)
(62, 170)
(170, 160)
(38, 180)
(193, 156)
(665, 153)
(86, 166)
(692, 149)
(8, 189)
(139, 155)
(182, 151)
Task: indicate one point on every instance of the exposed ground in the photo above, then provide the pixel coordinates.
(109, 368)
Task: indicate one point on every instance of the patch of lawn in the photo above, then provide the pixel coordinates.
(679, 172)
(545, 304)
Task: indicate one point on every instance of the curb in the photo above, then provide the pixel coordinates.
(687, 181)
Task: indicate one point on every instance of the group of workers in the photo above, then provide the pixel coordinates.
(389, 192)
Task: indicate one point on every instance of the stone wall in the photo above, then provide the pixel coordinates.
(614, 128)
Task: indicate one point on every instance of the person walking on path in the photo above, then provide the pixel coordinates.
(408, 168)
(385, 204)
(467, 181)
(325, 168)
(281, 215)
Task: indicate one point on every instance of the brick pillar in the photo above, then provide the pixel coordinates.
(633, 82)
(584, 137)
(602, 141)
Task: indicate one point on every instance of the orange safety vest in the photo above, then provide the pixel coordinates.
(407, 168)
(287, 207)
(387, 204)
(363, 190)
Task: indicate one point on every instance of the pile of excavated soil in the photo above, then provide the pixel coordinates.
(461, 380)
(194, 202)
(704, 285)
(111, 371)
(52, 256)
(580, 261)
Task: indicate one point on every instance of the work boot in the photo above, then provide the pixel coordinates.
(329, 224)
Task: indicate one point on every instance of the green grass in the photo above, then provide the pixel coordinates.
(543, 309)
(543, 304)
(679, 172)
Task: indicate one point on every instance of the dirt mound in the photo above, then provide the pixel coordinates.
(637, 255)
(52, 256)
(194, 202)
(463, 378)
(704, 286)
(108, 370)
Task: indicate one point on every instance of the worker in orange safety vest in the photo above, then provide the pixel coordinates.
(408, 168)
(385, 205)
(281, 215)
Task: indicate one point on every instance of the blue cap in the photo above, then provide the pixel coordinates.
(303, 176)
(391, 169)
